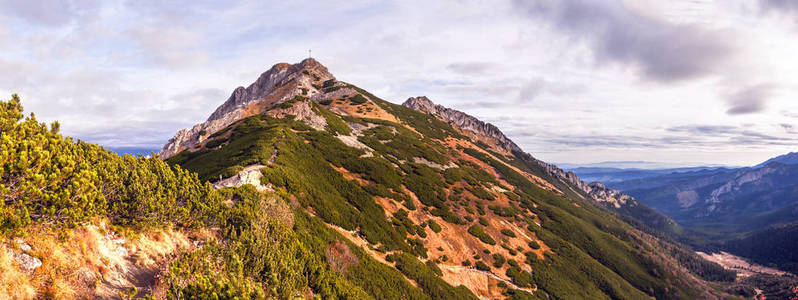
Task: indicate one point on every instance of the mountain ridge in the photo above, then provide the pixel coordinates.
(787, 159)
(486, 132)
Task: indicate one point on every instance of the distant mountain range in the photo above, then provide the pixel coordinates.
(788, 159)
(133, 150)
(722, 208)
(639, 165)
(614, 175)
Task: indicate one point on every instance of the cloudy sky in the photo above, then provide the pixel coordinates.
(680, 82)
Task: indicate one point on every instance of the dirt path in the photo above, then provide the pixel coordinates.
(484, 284)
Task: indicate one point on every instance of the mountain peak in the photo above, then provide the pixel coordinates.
(280, 83)
(311, 62)
(279, 75)
(420, 103)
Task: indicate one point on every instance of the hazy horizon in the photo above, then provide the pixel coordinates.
(574, 82)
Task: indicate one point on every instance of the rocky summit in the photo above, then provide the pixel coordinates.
(280, 83)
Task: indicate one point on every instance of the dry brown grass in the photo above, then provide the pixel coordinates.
(340, 257)
(90, 261)
(14, 284)
(365, 110)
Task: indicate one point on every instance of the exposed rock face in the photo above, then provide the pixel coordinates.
(334, 94)
(279, 75)
(249, 175)
(301, 111)
(486, 131)
(27, 262)
(462, 120)
(601, 193)
(595, 190)
(280, 83)
(751, 177)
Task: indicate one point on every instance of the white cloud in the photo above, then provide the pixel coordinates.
(614, 78)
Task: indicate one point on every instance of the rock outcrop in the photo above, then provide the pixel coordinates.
(491, 135)
(249, 175)
(27, 262)
(463, 121)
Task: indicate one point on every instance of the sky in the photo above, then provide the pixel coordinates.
(676, 82)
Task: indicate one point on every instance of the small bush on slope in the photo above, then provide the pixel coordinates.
(477, 231)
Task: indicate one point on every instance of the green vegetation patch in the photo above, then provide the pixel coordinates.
(358, 99)
(477, 231)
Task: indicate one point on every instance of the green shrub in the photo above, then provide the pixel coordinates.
(508, 232)
(231, 171)
(435, 226)
(480, 193)
(358, 99)
(434, 267)
(447, 215)
(477, 231)
(45, 177)
(481, 266)
(215, 143)
(510, 250)
(520, 277)
(334, 123)
(534, 245)
(498, 260)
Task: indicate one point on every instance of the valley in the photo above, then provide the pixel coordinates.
(744, 218)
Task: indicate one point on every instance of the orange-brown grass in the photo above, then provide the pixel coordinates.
(375, 112)
(14, 283)
(453, 143)
(90, 261)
